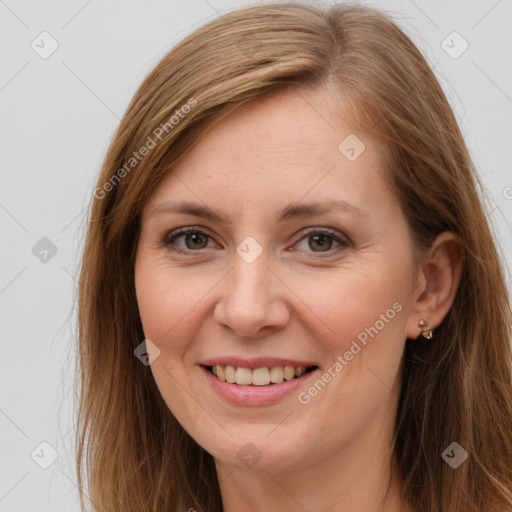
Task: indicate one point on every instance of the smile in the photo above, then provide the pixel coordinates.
(263, 376)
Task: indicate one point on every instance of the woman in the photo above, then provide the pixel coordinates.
(290, 298)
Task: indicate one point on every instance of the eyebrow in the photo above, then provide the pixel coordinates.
(292, 211)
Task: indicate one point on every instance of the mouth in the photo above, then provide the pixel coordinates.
(263, 376)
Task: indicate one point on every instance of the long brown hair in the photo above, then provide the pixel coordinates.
(455, 389)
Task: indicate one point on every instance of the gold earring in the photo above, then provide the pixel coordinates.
(427, 331)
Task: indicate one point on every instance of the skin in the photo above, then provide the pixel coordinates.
(298, 299)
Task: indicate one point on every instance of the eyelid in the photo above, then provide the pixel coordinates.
(176, 233)
(334, 233)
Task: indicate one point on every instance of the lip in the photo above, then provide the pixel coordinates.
(257, 362)
(256, 395)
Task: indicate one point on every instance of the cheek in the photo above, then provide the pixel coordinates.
(168, 301)
(350, 302)
(361, 316)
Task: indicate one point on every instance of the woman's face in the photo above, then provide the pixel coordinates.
(274, 274)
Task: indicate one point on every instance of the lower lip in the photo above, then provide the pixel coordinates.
(256, 395)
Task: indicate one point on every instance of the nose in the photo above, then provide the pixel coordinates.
(253, 299)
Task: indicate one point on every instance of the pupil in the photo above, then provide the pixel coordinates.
(320, 240)
(195, 238)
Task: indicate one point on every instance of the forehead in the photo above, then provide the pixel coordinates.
(282, 148)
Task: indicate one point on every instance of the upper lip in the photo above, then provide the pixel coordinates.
(258, 362)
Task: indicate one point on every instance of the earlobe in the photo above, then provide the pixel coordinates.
(440, 271)
(428, 331)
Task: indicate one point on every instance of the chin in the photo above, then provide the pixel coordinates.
(257, 451)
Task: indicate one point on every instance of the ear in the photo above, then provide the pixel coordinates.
(438, 281)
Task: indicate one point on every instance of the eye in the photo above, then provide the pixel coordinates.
(193, 239)
(318, 241)
(322, 241)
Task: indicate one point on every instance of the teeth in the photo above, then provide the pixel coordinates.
(229, 373)
(289, 372)
(259, 376)
(276, 374)
(243, 376)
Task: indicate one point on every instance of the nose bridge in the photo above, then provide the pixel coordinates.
(248, 290)
(250, 299)
(250, 279)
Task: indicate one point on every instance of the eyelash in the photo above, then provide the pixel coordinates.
(167, 240)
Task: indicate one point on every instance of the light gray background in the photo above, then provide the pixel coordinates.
(57, 117)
